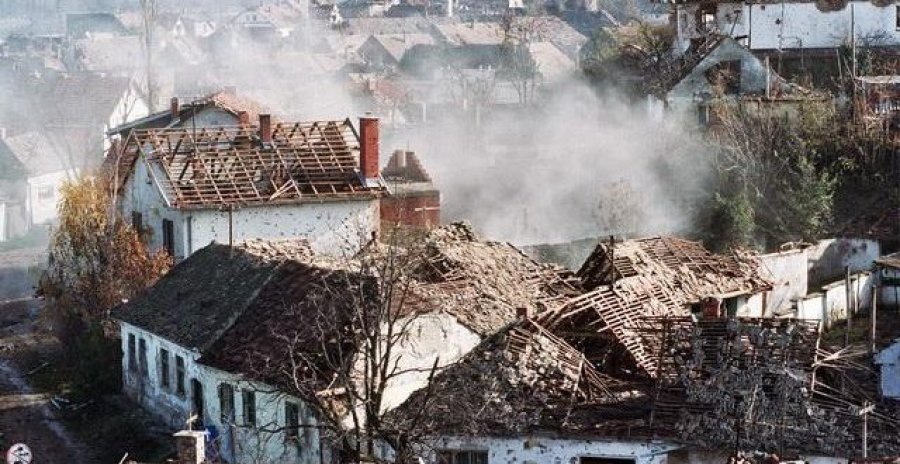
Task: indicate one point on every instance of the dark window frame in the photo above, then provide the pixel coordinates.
(226, 403)
(142, 356)
(168, 233)
(132, 353)
(137, 222)
(462, 456)
(292, 421)
(164, 377)
(180, 389)
(248, 407)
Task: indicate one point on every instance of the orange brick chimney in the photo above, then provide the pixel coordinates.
(265, 128)
(243, 118)
(369, 147)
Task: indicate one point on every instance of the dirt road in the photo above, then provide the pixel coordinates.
(27, 416)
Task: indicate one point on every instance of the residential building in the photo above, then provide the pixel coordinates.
(275, 19)
(888, 360)
(217, 344)
(794, 26)
(221, 108)
(723, 72)
(185, 188)
(35, 167)
(387, 51)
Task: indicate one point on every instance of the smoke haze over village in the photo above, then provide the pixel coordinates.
(449, 231)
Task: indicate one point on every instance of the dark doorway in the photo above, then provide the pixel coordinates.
(197, 401)
(606, 461)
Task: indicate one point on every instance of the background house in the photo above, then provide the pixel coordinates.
(184, 188)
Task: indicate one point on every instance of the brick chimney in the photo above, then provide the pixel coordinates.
(265, 128)
(190, 446)
(175, 107)
(369, 147)
(243, 118)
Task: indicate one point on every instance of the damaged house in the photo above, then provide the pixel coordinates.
(219, 337)
(722, 72)
(184, 188)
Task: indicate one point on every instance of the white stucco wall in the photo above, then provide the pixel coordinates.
(130, 107)
(793, 25)
(888, 291)
(333, 227)
(829, 258)
(539, 450)
(430, 336)
(789, 271)
(43, 211)
(888, 360)
(830, 306)
(236, 442)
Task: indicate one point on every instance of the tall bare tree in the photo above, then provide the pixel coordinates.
(148, 25)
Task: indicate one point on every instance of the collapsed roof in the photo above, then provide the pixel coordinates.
(650, 277)
(236, 165)
(521, 379)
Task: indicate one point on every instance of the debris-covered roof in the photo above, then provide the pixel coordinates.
(697, 272)
(216, 166)
(521, 379)
(651, 277)
(484, 283)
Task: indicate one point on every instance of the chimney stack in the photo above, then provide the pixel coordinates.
(369, 147)
(265, 128)
(243, 118)
(175, 107)
(190, 446)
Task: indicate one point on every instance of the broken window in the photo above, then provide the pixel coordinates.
(462, 457)
(725, 77)
(248, 398)
(168, 230)
(706, 19)
(292, 420)
(142, 356)
(179, 375)
(897, 22)
(132, 360)
(164, 367)
(226, 403)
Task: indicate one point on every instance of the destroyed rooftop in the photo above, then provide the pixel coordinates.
(216, 166)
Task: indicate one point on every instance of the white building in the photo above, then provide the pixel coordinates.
(889, 361)
(184, 188)
(789, 25)
(209, 339)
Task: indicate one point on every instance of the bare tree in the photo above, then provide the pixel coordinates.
(148, 25)
(346, 345)
(516, 62)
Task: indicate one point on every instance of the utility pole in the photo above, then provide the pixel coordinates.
(849, 304)
(864, 411)
(874, 318)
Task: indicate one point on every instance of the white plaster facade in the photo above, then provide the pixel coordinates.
(233, 438)
(789, 270)
(889, 361)
(42, 195)
(830, 305)
(540, 450)
(333, 227)
(790, 25)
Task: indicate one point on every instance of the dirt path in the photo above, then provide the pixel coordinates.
(27, 416)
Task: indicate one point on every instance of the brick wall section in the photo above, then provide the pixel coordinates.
(418, 209)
